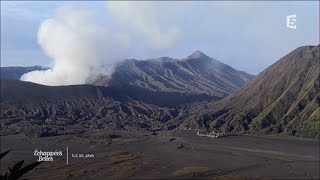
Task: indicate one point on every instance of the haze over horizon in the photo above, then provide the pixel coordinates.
(248, 36)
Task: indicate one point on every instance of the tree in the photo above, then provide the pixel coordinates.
(17, 171)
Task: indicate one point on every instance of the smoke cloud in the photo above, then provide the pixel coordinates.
(81, 49)
(143, 18)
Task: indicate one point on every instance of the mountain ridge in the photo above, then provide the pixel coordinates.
(196, 74)
(284, 98)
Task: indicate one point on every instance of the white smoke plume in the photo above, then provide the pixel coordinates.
(79, 47)
(82, 49)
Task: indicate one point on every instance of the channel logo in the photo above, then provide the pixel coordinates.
(292, 21)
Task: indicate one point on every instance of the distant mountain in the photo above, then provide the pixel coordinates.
(197, 73)
(15, 72)
(284, 98)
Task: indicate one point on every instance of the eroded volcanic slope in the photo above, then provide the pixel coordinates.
(52, 110)
(284, 98)
(198, 73)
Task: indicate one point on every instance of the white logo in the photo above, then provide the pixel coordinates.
(46, 156)
(292, 21)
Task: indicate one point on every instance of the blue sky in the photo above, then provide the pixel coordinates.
(249, 36)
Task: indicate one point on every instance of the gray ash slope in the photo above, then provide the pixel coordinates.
(29, 108)
(198, 73)
(284, 98)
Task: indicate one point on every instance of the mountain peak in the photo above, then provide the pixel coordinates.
(197, 54)
(299, 72)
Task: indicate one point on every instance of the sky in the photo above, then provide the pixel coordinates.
(248, 36)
